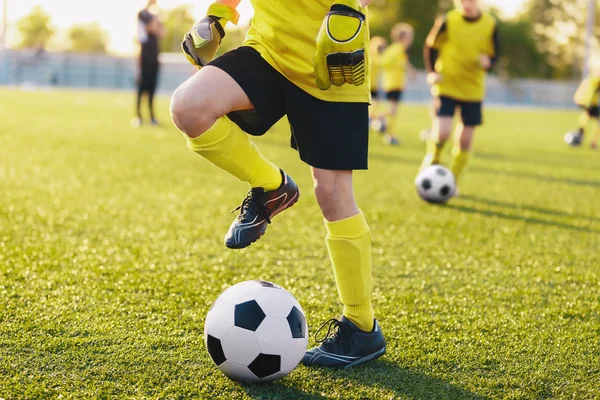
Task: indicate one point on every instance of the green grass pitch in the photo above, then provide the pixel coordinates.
(111, 254)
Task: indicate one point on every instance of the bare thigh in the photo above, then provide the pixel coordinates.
(206, 96)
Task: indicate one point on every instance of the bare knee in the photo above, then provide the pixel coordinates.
(334, 193)
(191, 117)
(444, 128)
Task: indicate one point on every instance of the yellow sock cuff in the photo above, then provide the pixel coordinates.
(362, 315)
(353, 227)
(214, 135)
(267, 176)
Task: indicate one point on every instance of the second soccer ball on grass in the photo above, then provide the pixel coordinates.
(436, 184)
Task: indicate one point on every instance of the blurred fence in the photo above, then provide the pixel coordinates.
(108, 72)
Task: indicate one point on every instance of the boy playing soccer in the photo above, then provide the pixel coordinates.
(586, 97)
(307, 59)
(460, 48)
(395, 66)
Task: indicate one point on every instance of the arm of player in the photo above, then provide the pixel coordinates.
(435, 40)
(201, 43)
(489, 61)
(341, 44)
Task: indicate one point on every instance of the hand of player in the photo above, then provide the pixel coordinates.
(433, 78)
(341, 45)
(485, 61)
(201, 43)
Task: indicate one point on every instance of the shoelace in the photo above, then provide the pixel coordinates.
(253, 198)
(337, 332)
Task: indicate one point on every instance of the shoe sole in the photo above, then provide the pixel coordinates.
(370, 357)
(281, 209)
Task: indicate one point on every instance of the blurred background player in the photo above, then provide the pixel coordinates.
(377, 120)
(395, 67)
(460, 49)
(586, 97)
(150, 30)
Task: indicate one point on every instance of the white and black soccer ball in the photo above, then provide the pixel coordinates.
(573, 139)
(436, 184)
(256, 332)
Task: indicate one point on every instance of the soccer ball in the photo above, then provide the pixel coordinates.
(436, 184)
(573, 139)
(256, 332)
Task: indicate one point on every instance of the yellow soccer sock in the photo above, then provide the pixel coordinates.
(349, 245)
(434, 153)
(460, 161)
(225, 145)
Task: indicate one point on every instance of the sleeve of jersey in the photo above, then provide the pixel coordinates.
(495, 56)
(436, 38)
(438, 34)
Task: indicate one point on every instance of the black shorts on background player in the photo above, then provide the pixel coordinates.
(592, 112)
(394, 95)
(327, 135)
(470, 111)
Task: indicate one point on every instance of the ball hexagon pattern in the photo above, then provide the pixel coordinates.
(436, 184)
(256, 331)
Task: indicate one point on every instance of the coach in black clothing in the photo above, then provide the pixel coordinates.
(150, 31)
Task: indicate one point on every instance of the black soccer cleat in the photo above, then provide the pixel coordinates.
(257, 210)
(345, 345)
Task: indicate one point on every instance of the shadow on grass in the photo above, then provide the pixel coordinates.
(520, 207)
(406, 383)
(379, 374)
(530, 220)
(277, 391)
(537, 177)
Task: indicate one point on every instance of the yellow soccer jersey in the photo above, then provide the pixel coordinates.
(284, 32)
(394, 62)
(587, 94)
(460, 46)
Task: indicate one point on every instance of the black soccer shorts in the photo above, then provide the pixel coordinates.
(470, 111)
(327, 135)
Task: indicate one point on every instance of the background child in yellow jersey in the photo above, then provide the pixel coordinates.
(460, 48)
(586, 97)
(395, 67)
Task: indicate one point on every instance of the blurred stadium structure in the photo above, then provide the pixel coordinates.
(32, 68)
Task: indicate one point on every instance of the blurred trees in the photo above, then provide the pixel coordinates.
(176, 21)
(559, 30)
(88, 38)
(35, 29)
